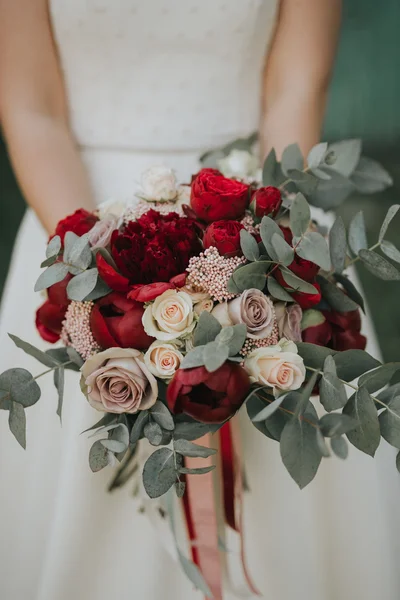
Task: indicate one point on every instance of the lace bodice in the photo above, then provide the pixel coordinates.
(162, 75)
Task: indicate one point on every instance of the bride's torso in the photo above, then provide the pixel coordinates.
(161, 76)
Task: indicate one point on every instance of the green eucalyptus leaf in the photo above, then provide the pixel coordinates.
(249, 276)
(268, 410)
(162, 416)
(330, 193)
(215, 355)
(389, 421)
(390, 250)
(19, 386)
(377, 379)
(351, 290)
(53, 247)
(107, 419)
(335, 424)
(75, 357)
(340, 447)
(271, 172)
(313, 247)
(59, 377)
(48, 262)
(338, 245)
(153, 432)
(388, 393)
(277, 291)
(180, 489)
(316, 155)
(77, 253)
(42, 357)
(306, 183)
(100, 290)
(98, 457)
(346, 156)
(335, 297)
(53, 274)
(303, 395)
(300, 215)
(357, 233)
(196, 471)
(113, 445)
(233, 337)
(194, 358)
(17, 423)
(322, 445)
(313, 356)
(267, 229)
(82, 285)
(311, 318)
(300, 451)
(62, 357)
(370, 177)
(297, 284)
(379, 266)
(332, 391)
(138, 427)
(190, 430)
(292, 158)
(159, 473)
(391, 213)
(353, 363)
(366, 436)
(187, 448)
(207, 329)
(249, 246)
(283, 252)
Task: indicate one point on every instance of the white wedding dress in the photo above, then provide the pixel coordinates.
(149, 82)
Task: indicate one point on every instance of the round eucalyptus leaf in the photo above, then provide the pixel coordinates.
(370, 177)
(366, 435)
(159, 473)
(162, 416)
(389, 421)
(316, 155)
(300, 215)
(249, 246)
(340, 447)
(98, 456)
(17, 423)
(79, 287)
(20, 386)
(292, 158)
(53, 274)
(53, 247)
(300, 452)
(313, 247)
(153, 433)
(215, 355)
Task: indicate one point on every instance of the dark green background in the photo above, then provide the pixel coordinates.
(363, 103)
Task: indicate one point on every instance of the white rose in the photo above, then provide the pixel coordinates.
(163, 359)
(239, 163)
(159, 184)
(221, 313)
(206, 304)
(111, 207)
(276, 367)
(170, 316)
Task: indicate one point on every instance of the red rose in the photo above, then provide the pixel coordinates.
(266, 201)
(147, 293)
(116, 322)
(225, 236)
(155, 247)
(80, 222)
(51, 314)
(208, 397)
(339, 331)
(216, 197)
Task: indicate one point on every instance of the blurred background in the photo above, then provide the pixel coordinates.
(363, 103)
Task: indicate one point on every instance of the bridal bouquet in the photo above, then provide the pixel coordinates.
(196, 299)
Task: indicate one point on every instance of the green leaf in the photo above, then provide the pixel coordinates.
(313, 356)
(254, 405)
(351, 290)
(336, 424)
(98, 457)
(268, 410)
(42, 357)
(162, 416)
(270, 170)
(187, 448)
(353, 363)
(104, 421)
(113, 445)
(54, 274)
(316, 155)
(332, 391)
(48, 262)
(153, 433)
(180, 488)
(312, 318)
(300, 215)
(234, 337)
(198, 471)
(388, 393)
(77, 253)
(398, 462)
(249, 246)
(215, 355)
(390, 250)
(100, 290)
(306, 183)
(191, 430)
(370, 177)
(282, 251)
(338, 245)
(59, 384)
(80, 286)
(321, 443)
(75, 357)
(379, 266)
(303, 395)
(17, 423)
(331, 192)
(313, 247)
(277, 291)
(366, 436)
(159, 473)
(249, 276)
(391, 213)
(389, 421)
(300, 451)
(335, 297)
(53, 247)
(207, 329)
(20, 386)
(138, 426)
(357, 233)
(340, 447)
(267, 229)
(377, 379)
(194, 358)
(346, 156)
(292, 158)
(297, 284)
(61, 356)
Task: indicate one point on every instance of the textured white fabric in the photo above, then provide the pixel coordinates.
(155, 81)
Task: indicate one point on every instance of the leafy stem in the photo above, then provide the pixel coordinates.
(58, 366)
(355, 259)
(289, 412)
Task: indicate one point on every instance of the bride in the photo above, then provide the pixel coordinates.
(91, 93)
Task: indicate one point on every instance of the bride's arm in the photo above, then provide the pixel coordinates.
(33, 114)
(297, 73)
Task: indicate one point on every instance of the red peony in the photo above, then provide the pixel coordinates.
(216, 197)
(208, 397)
(224, 236)
(51, 314)
(149, 292)
(339, 331)
(155, 247)
(116, 322)
(266, 201)
(80, 222)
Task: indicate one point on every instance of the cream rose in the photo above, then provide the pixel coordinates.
(170, 316)
(163, 359)
(239, 164)
(253, 308)
(279, 367)
(100, 234)
(195, 296)
(158, 184)
(118, 381)
(206, 304)
(288, 318)
(114, 208)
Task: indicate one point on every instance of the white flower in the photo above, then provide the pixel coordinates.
(239, 164)
(158, 184)
(170, 316)
(279, 367)
(111, 207)
(100, 234)
(163, 359)
(206, 304)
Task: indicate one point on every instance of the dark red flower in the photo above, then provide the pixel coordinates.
(116, 322)
(208, 397)
(110, 276)
(155, 247)
(51, 314)
(149, 292)
(266, 201)
(80, 222)
(307, 300)
(339, 331)
(303, 268)
(224, 236)
(216, 197)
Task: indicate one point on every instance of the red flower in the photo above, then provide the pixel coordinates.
(307, 300)
(116, 322)
(51, 314)
(225, 236)
(80, 222)
(339, 331)
(110, 276)
(303, 268)
(216, 197)
(147, 293)
(155, 248)
(266, 201)
(208, 397)
(179, 281)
